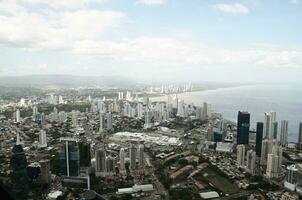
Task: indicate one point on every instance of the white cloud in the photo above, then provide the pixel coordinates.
(69, 4)
(171, 52)
(235, 8)
(56, 30)
(150, 2)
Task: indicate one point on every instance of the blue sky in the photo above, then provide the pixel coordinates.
(199, 40)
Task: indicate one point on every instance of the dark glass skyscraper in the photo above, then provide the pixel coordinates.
(85, 157)
(19, 176)
(259, 137)
(243, 127)
(69, 157)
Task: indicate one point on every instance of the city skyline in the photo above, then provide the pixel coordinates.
(228, 41)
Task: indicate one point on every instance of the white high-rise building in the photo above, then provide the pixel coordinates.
(74, 118)
(128, 96)
(274, 162)
(267, 147)
(22, 102)
(140, 111)
(61, 100)
(284, 132)
(100, 162)
(122, 159)
(18, 141)
(291, 177)
(35, 113)
(42, 139)
(132, 155)
(102, 122)
(251, 161)
(268, 126)
(148, 115)
(18, 117)
(141, 156)
(240, 154)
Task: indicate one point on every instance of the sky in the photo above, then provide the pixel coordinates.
(171, 40)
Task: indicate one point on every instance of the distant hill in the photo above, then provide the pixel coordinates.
(64, 80)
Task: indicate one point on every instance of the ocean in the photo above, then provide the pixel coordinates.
(285, 99)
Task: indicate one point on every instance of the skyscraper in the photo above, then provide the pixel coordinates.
(45, 175)
(284, 132)
(291, 177)
(300, 136)
(148, 116)
(85, 156)
(243, 127)
(240, 155)
(110, 165)
(251, 161)
(274, 161)
(141, 156)
(19, 176)
(259, 138)
(122, 159)
(268, 128)
(132, 155)
(18, 118)
(109, 121)
(102, 122)
(42, 139)
(74, 118)
(69, 157)
(100, 162)
(275, 124)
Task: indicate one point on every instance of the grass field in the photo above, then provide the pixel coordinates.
(219, 182)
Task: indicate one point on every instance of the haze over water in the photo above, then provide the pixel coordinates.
(285, 99)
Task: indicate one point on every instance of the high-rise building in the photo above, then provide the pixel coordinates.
(110, 165)
(268, 128)
(109, 121)
(141, 156)
(267, 147)
(122, 159)
(19, 176)
(148, 115)
(18, 118)
(291, 177)
(259, 138)
(102, 122)
(251, 161)
(132, 155)
(42, 139)
(74, 118)
(140, 111)
(206, 110)
(241, 155)
(275, 130)
(300, 136)
(243, 127)
(45, 175)
(69, 157)
(85, 157)
(100, 162)
(284, 132)
(274, 161)
(35, 113)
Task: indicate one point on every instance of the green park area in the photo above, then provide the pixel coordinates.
(209, 175)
